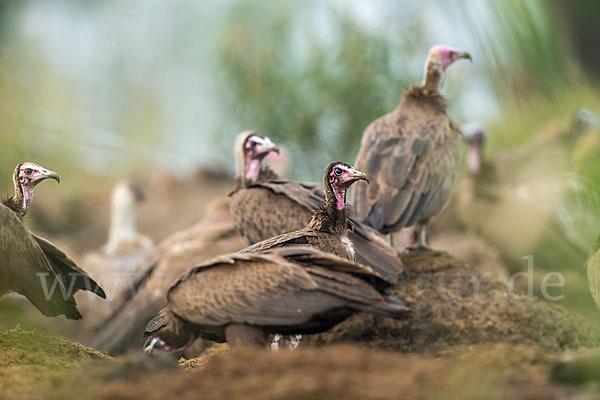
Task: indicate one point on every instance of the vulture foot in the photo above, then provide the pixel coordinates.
(288, 342)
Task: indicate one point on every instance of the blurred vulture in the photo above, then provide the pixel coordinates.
(214, 235)
(518, 199)
(126, 251)
(297, 283)
(412, 155)
(263, 206)
(32, 266)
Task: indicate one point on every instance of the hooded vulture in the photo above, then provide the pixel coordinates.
(29, 264)
(243, 298)
(412, 155)
(126, 251)
(212, 236)
(264, 205)
(525, 198)
(300, 282)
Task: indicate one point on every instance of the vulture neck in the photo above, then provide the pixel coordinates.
(266, 174)
(21, 201)
(333, 215)
(474, 159)
(433, 79)
(122, 219)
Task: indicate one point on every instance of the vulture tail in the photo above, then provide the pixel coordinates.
(374, 252)
(390, 307)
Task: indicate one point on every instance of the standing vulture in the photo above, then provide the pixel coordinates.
(32, 266)
(121, 260)
(301, 282)
(412, 155)
(263, 206)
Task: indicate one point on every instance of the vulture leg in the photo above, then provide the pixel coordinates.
(419, 233)
(238, 335)
(422, 239)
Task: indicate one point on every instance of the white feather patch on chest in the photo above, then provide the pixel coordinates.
(348, 243)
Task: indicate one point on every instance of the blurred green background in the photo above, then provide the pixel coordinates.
(99, 90)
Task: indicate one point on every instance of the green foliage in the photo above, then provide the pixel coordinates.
(315, 89)
(525, 52)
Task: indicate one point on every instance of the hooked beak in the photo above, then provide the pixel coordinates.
(45, 174)
(356, 175)
(266, 147)
(154, 342)
(466, 55)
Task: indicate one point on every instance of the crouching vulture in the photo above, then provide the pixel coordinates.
(264, 205)
(412, 155)
(212, 236)
(29, 264)
(300, 282)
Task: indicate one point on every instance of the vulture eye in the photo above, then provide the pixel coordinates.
(451, 54)
(28, 171)
(337, 171)
(252, 144)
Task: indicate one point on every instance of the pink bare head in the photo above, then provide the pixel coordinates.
(251, 148)
(447, 55)
(339, 176)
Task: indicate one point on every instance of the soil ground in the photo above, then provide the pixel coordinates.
(468, 339)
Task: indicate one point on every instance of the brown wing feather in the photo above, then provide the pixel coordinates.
(412, 156)
(68, 268)
(23, 267)
(259, 212)
(297, 238)
(283, 287)
(216, 292)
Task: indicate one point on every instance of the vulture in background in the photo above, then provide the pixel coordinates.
(412, 156)
(300, 282)
(29, 264)
(516, 199)
(264, 205)
(212, 236)
(119, 262)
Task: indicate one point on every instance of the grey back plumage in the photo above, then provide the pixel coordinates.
(412, 156)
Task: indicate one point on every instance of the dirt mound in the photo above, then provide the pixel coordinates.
(484, 371)
(454, 305)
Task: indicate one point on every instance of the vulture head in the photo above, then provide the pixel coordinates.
(26, 176)
(337, 179)
(250, 149)
(474, 136)
(439, 58)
